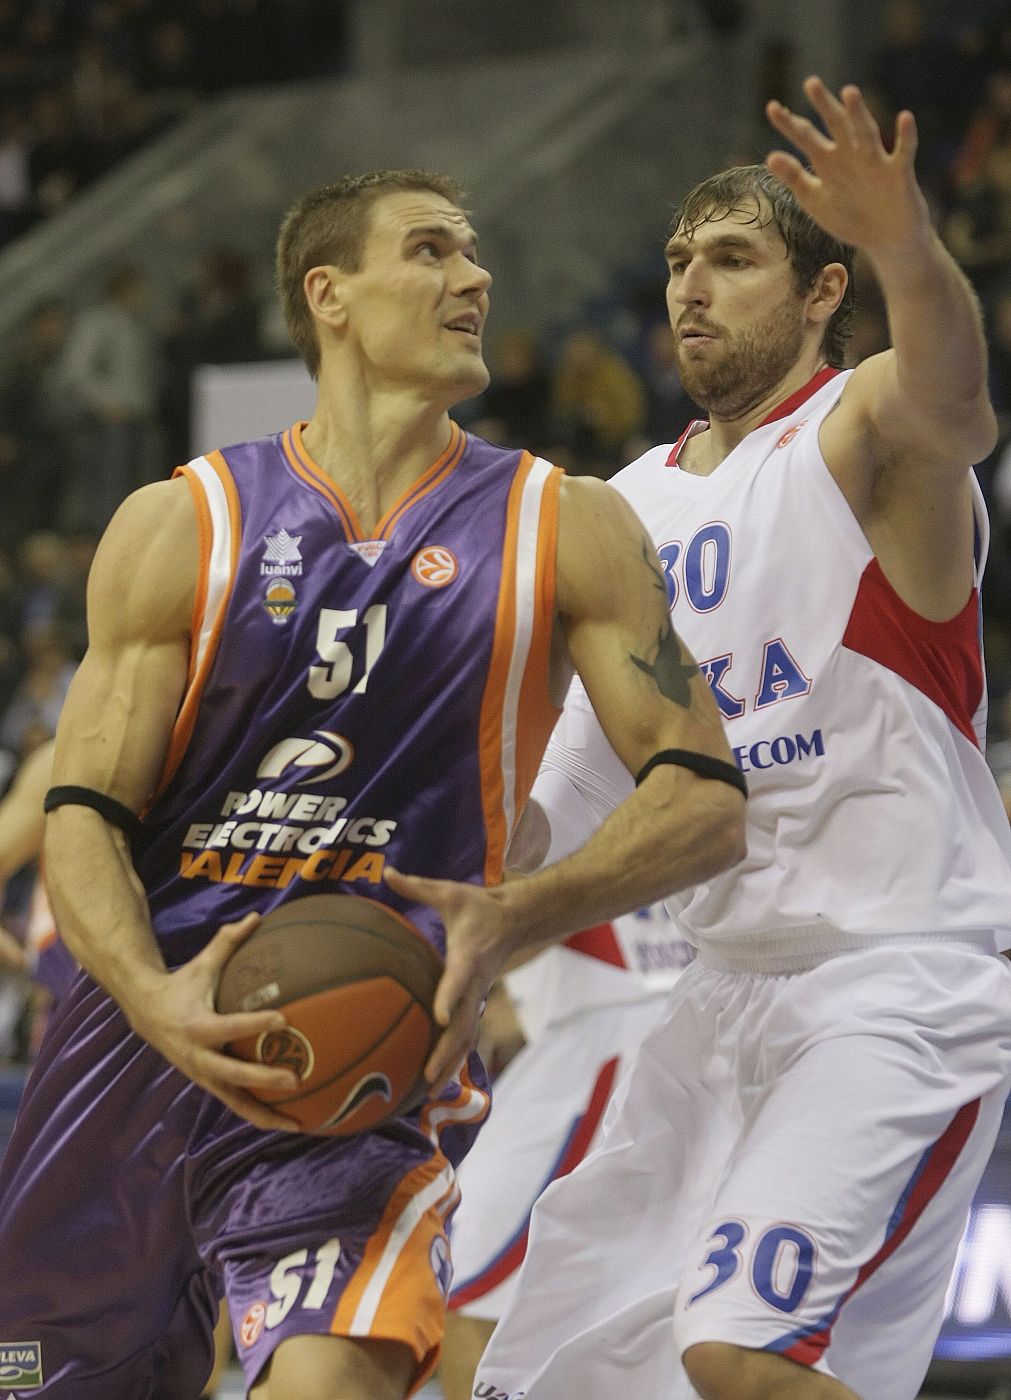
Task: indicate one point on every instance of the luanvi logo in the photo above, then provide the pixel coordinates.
(20, 1365)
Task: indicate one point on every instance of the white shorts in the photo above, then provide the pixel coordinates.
(547, 1110)
(788, 1168)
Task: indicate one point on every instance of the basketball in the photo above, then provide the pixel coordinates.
(356, 981)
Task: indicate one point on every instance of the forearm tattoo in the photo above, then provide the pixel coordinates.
(671, 674)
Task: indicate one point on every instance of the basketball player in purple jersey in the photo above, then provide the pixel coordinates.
(776, 1206)
(311, 657)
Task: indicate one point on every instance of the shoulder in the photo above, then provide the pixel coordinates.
(145, 568)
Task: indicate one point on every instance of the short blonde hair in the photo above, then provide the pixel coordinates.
(329, 225)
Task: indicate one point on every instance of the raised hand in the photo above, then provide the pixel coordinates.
(855, 189)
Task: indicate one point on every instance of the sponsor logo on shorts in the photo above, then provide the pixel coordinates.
(20, 1365)
(287, 1049)
(435, 566)
(484, 1390)
(252, 1324)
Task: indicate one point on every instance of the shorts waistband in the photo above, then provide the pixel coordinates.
(775, 952)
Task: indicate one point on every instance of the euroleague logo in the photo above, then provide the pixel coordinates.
(435, 566)
(324, 757)
(252, 1324)
(287, 1049)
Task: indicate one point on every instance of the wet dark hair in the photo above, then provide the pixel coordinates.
(754, 193)
(329, 225)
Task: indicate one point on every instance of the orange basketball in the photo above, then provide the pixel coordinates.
(356, 982)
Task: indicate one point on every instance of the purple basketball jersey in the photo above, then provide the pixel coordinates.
(353, 700)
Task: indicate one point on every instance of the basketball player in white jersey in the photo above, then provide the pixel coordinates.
(583, 1009)
(785, 1173)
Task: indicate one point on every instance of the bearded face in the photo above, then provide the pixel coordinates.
(740, 323)
(732, 370)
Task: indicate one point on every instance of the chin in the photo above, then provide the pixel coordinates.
(467, 386)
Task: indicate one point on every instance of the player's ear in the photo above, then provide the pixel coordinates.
(827, 292)
(324, 292)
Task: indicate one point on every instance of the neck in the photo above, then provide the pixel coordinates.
(708, 450)
(374, 446)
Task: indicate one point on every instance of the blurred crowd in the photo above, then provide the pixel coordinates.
(84, 83)
(96, 402)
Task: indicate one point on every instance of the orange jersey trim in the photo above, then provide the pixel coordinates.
(205, 534)
(539, 715)
(411, 1308)
(306, 469)
(535, 710)
(436, 474)
(182, 731)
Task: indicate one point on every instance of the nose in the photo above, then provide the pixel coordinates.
(470, 277)
(691, 286)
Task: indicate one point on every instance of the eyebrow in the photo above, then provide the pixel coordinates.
(724, 241)
(440, 231)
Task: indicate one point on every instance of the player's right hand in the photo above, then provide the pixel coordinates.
(177, 1016)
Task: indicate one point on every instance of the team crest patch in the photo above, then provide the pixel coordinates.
(280, 600)
(20, 1365)
(252, 1324)
(281, 554)
(435, 566)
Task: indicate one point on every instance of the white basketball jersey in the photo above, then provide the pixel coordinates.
(627, 960)
(859, 724)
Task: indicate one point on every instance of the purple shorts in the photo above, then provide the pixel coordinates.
(131, 1202)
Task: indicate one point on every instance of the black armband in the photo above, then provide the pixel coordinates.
(699, 763)
(115, 813)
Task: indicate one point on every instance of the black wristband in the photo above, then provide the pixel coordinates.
(115, 813)
(699, 763)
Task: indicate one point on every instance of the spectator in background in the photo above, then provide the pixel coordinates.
(914, 70)
(219, 324)
(669, 408)
(42, 561)
(58, 165)
(34, 445)
(598, 402)
(36, 704)
(515, 410)
(112, 369)
(16, 202)
(977, 228)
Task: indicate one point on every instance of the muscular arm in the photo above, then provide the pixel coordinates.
(674, 830)
(912, 420)
(113, 736)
